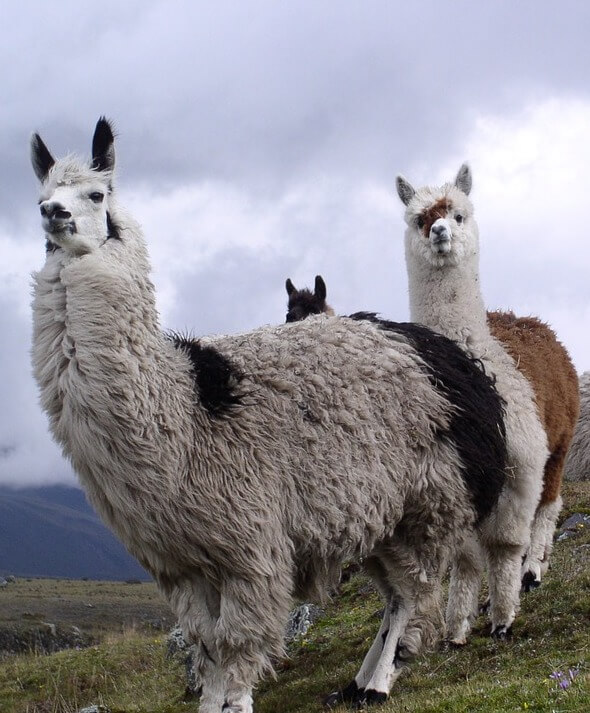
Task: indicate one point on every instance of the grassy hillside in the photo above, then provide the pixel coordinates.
(129, 672)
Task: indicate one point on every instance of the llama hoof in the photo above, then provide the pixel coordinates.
(485, 607)
(371, 698)
(350, 694)
(502, 633)
(530, 582)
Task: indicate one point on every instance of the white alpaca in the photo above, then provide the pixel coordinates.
(442, 257)
(243, 471)
(577, 466)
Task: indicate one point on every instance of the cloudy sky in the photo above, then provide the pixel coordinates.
(259, 140)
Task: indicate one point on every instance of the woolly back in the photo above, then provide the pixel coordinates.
(477, 423)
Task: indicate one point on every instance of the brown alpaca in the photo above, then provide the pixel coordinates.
(546, 364)
(303, 303)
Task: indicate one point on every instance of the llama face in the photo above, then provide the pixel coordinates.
(441, 228)
(74, 201)
(303, 303)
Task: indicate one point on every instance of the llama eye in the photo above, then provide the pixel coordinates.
(96, 197)
(459, 218)
(420, 222)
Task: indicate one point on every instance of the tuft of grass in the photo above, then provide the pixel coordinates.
(129, 672)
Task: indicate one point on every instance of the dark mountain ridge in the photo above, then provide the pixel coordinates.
(52, 531)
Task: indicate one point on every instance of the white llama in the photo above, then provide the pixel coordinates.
(577, 466)
(243, 471)
(442, 257)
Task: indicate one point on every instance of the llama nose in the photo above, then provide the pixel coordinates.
(54, 209)
(439, 229)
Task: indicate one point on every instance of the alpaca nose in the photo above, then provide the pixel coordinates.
(439, 229)
(54, 209)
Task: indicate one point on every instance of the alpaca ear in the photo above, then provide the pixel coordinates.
(41, 159)
(464, 180)
(103, 146)
(290, 287)
(404, 190)
(320, 288)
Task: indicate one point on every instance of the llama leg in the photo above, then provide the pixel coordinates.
(536, 561)
(464, 585)
(354, 691)
(388, 666)
(196, 604)
(249, 634)
(415, 619)
(504, 564)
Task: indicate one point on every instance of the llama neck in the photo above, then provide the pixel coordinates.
(112, 386)
(448, 299)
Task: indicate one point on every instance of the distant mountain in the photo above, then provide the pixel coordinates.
(53, 532)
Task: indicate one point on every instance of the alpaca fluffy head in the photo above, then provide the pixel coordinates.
(441, 227)
(75, 196)
(303, 303)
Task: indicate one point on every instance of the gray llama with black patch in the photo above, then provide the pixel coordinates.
(243, 471)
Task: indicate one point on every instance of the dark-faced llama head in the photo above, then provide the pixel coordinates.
(303, 303)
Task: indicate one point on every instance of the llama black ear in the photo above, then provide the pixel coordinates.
(41, 159)
(103, 146)
(320, 288)
(464, 180)
(290, 287)
(404, 190)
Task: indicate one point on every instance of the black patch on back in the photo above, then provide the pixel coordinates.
(301, 304)
(477, 426)
(216, 378)
(112, 228)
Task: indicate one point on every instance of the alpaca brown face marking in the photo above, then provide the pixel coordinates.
(437, 210)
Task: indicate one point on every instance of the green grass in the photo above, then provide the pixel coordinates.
(128, 672)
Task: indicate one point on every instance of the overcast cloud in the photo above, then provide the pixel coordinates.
(260, 140)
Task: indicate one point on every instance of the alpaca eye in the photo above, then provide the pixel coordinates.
(96, 197)
(459, 218)
(420, 222)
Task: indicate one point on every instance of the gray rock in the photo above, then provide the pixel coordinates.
(96, 708)
(576, 523)
(300, 619)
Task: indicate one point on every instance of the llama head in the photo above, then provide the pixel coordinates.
(75, 196)
(441, 227)
(302, 303)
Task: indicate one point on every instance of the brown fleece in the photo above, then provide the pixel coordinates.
(547, 365)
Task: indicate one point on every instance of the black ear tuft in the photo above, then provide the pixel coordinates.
(103, 148)
(41, 159)
(320, 288)
(290, 287)
(404, 190)
(464, 180)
